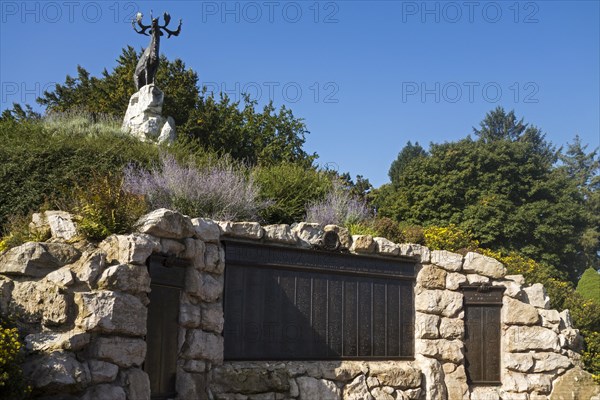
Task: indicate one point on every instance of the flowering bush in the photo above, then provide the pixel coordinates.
(339, 207)
(449, 238)
(219, 189)
(12, 383)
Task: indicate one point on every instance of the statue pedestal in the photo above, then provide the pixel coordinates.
(144, 119)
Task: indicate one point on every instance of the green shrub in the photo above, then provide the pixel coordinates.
(389, 229)
(449, 238)
(17, 232)
(102, 207)
(12, 382)
(290, 188)
(362, 229)
(412, 233)
(589, 285)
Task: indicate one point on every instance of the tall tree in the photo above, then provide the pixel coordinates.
(408, 153)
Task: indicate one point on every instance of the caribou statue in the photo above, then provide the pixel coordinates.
(148, 63)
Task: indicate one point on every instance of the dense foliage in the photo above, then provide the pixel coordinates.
(589, 285)
(508, 188)
(12, 383)
(266, 136)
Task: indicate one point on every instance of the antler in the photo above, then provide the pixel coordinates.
(138, 19)
(170, 33)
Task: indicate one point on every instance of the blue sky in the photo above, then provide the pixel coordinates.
(367, 76)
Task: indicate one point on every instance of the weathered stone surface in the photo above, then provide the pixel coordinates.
(56, 372)
(62, 277)
(545, 362)
(89, 267)
(491, 393)
(111, 312)
(37, 259)
(343, 235)
(123, 351)
(203, 346)
(483, 265)
(575, 384)
(422, 253)
(104, 392)
(206, 230)
(143, 118)
(214, 259)
(382, 394)
(212, 317)
(515, 312)
(536, 296)
(172, 247)
(427, 326)
(550, 319)
(433, 377)
(513, 289)
(476, 278)
(190, 313)
(400, 375)
(432, 277)
(39, 302)
(165, 223)
(386, 247)
(363, 244)
(102, 371)
(311, 389)
(565, 320)
(520, 362)
(441, 349)
(341, 371)
(447, 260)
(136, 384)
(126, 278)
(190, 385)
(281, 233)
(50, 341)
(439, 302)
(571, 339)
(204, 286)
(6, 288)
(246, 230)
(248, 380)
(60, 223)
(309, 234)
(519, 382)
(525, 338)
(129, 249)
(454, 279)
(357, 390)
(452, 328)
(456, 384)
(194, 366)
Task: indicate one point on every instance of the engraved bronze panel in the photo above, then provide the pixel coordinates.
(291, 304)
(483, 304)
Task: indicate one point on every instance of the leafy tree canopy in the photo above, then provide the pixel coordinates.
(507, 188)
(265, 137)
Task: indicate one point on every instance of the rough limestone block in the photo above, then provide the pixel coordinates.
(202, 345)
(60, 224)
(520, 362)
(426, 326)
(102, 371)
(62, 277)
(58, 371)
(342, 371)
(212, 317)
(104, 392)
(280, 233)
(125, 278)
(136, 383)
(454, 279)
(357, 390)
(550, 319)
(214, 259)
(447, 260)
(246, 230)
(456, 383)
(432, 277)
(89, 267)
(37, 259)
(165, 223)
(311, 389)
(172, 247)
(309, 234)
(525, 338)
(476, 278)
(206, 230)
(74, 340)
(143, 118)
(545, 362)
(515, 312)
(111, 312)
(433, 377)
(204, 286)
(123, 351)
(363, 244)
(483, 265)
(232, 377)
(343, 235)
(439, 302)
(575, 384)
(441, 349)
(129, 249)
(386, 247)
(452, 328)
(536, 296)
(422, 253)
(400, 375)
(37, 302)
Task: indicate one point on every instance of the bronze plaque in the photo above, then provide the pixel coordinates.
(293, 304)
(483, 304)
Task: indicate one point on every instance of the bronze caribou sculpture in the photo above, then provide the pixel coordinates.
(148, 62)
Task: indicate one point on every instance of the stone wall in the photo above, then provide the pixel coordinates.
(82, 308)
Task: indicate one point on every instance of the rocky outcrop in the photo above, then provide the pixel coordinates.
(143, 118)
